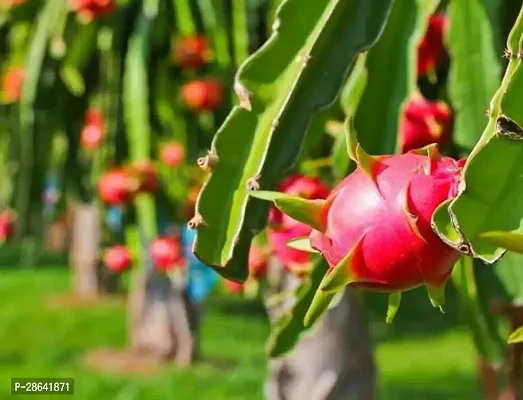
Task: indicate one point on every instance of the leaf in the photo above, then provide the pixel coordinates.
(298, 71)
(481, 322)
(493, 192)
(287, 330)
(471, 84)
(391, 76)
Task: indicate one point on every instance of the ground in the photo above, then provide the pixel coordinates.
(423, 356)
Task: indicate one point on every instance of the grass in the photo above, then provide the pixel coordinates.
(422, 356)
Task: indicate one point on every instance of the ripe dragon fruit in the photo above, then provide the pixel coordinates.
(166, 253)
(7, 224)
(91, 9)
(431, 50)
(117, 258)
(192, 52)
(374, 229)
(283, 228)
(424, 122)
(203, 95)
(117, 187)
(93, 131)
(12, 83)
(172, 154)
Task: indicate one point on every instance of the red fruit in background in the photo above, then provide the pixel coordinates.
(283, 228)
(431, 50)
(166, 253)
(118, 258)
(257, 261)
(10, 3)
(91, 137)
(91, 9)
(233, 287)
(425, 122)
(7, 224)
(145, 173)
(389, 231)
(12, 83)
(203, 95)
(117, 187)
(172, 154)
(192, 52)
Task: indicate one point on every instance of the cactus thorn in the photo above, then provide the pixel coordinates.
(243, 95)
(195, 222)
(253, 183)
(209, 161)
(520, 55)
(507, 54)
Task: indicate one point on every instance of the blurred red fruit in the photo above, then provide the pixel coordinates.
(172, 154)
(91, 9)
(233, 287)
(283, 228)
(425, 122)
(7, 219)
(431, 50)
(12, 83)
(203, 95)
(257, 261)
(166, 253)
(10, 3)
(117, 258)
(145, 173)
(117, 187)
(91, 137)
(192, 52)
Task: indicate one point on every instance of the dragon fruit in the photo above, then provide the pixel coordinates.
(283, 228)
(431, 50)
(424, 122)
(117, 258)
(374, 229)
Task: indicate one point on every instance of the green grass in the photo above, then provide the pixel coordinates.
(419, 357)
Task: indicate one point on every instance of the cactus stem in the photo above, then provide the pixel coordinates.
(243, 95)
(393, 306)
(341, 275)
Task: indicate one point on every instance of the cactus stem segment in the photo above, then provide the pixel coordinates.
(412, 219)
(393, 306)
(341, 275)
(243, 95)
(303, 244)
(436, 295)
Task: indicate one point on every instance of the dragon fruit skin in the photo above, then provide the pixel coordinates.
(389, 231)
(283, 228)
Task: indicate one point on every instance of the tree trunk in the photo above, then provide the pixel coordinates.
(163, 323)
(90, 278)
(333, 361)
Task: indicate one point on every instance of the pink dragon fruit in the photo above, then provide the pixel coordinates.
(425, 122)
(283, 228)
(374, 229)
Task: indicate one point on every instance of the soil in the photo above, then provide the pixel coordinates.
(72, 300)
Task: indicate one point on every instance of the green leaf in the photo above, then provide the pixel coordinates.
(391, 76)
(516, 336)
(298, 71)
(287, 330)
(480, 320)
(493, 192)
(471, 84)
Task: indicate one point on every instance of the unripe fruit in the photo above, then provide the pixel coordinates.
(283, 228)
(12, 82)
(203, 95)
(166, 253)
(192, 52)
(172, 154)
(431, 50)
(117, 258)
(424, 122)
(117, 187)
(7, 218)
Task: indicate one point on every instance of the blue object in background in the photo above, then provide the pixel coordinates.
(202, 278)
(50, 197)
(114, 218)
